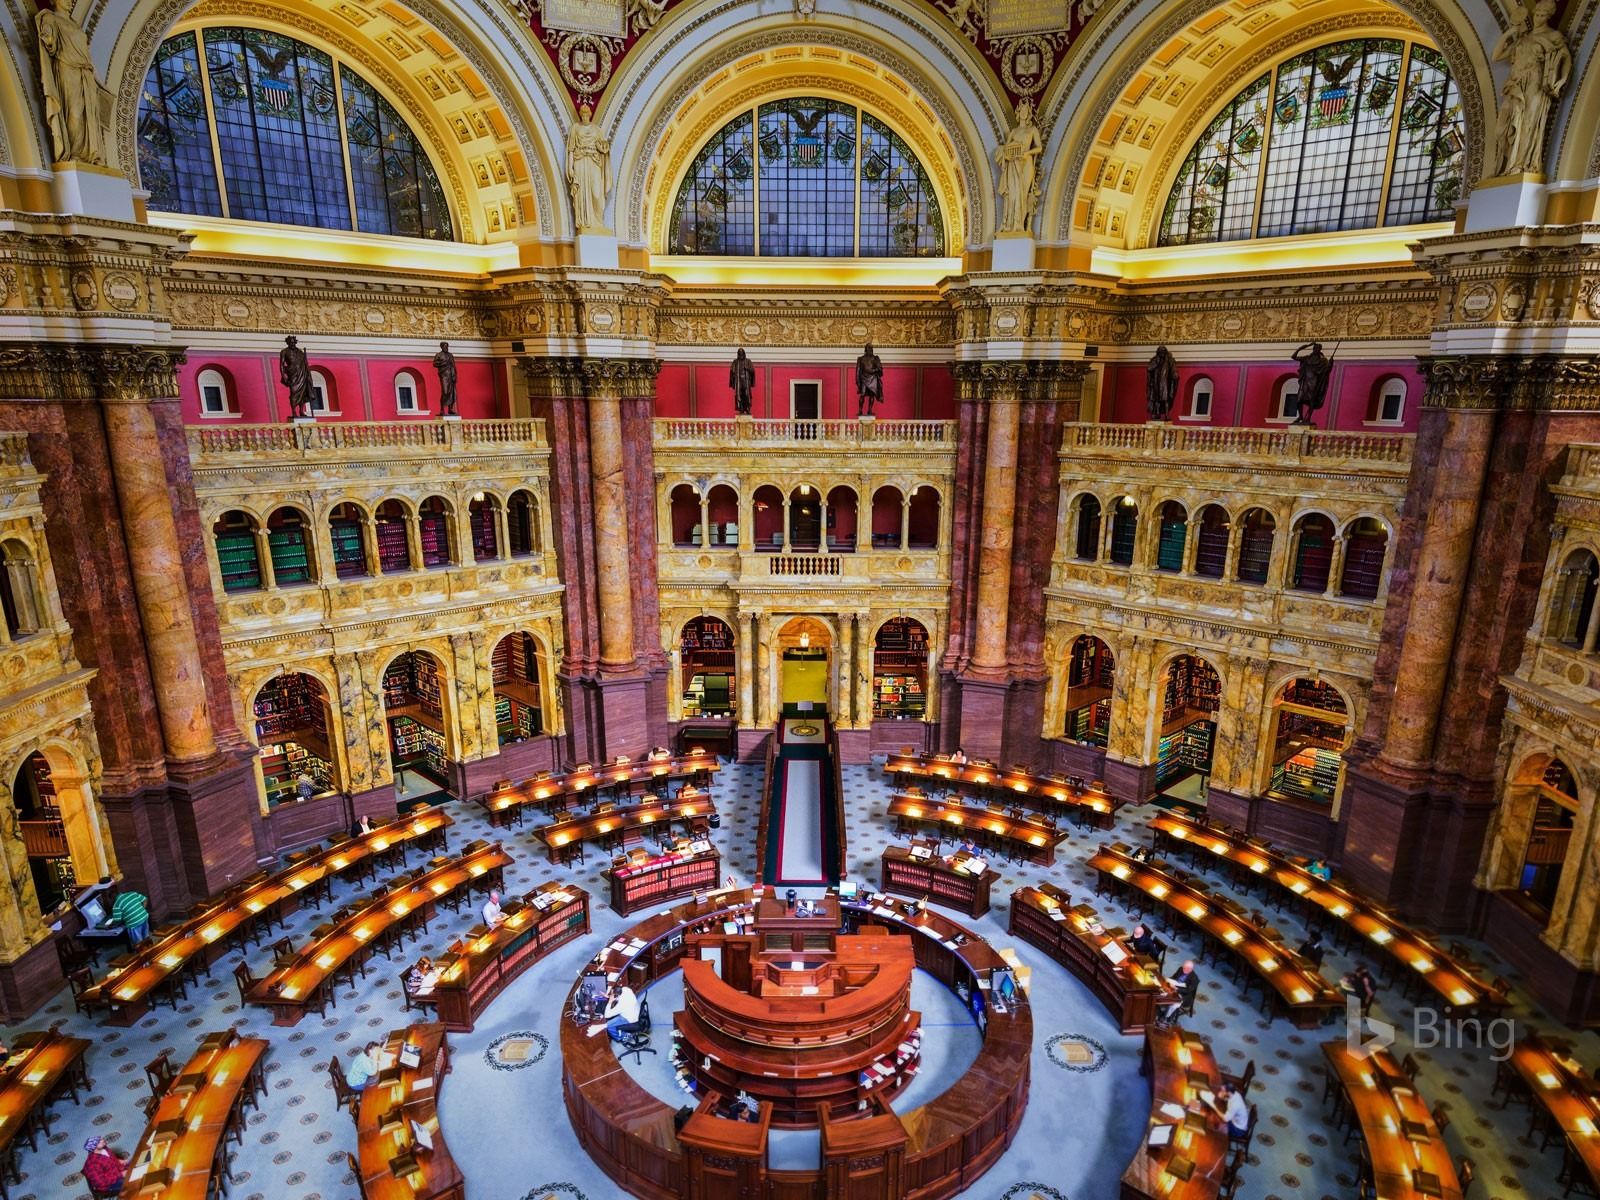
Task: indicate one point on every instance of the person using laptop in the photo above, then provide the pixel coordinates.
(622, 1008)
(132, 912)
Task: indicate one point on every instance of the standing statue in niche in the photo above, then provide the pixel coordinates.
(588, 169)
(295, 374)
(869, 381)
(1541, 64)
(1315, 367)
(742, 379)
(72, 103)
(1160, 384)
(444, 365)
(1018, 159)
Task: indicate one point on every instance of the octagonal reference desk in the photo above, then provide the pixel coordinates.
(1128, 984)
(809, 1019)
(937, 1150)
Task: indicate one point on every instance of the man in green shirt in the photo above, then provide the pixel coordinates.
(132, 912)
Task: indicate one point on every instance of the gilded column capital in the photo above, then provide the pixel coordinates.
(1489, 382)
(131, 374)
(619, 378)
(39, 372)
(552, 378)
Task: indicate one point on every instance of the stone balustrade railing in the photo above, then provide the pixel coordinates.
(338, 438)
(1583, 461)
(1293, 444)
(805, 564)
(747, 431)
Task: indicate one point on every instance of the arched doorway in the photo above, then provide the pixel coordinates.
(709, 679)
(1091, 674)
(804, 647)
(292, 730)
(518, 702)
(57, 828)
(1555, 796)
(1310, 725)
(805, 519)
(900, 671)
(1191, 693)
(413, 709)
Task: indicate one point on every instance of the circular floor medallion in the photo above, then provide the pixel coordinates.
(513, 1051)
(1032, 1191)
(804, 730)
(1076, 1052)
(555, 1191)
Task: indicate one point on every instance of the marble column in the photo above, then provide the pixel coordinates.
(844, 683)
(1230, 566)
(863, 668)
(614, 593)
(269, 577)
(413, 540)
(1336, 566)
(998, 517)
(130, 379)
(767, 671)
(747, 670)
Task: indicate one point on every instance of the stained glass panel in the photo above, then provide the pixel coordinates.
(1334, 116)
(715, 210)
(899, 211)
(175, 162)
(806, 160)
(275, 105)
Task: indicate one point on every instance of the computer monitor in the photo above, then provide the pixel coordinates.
(94, 912)
(1005, 985)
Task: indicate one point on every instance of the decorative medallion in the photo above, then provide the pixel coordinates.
(805, 731)
(8, 282)
(555, 1191)
(1514, 303)
(84, 292)
(237, 312)
(1231, 324)
(1032, 1191)
(121, 291)
(1027, 65)
(1366, 321)
(1075, 1052)
(1478, 303)
(375, 318)
(584, 60)
(513, 1052)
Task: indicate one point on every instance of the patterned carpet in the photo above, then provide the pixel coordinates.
(501, 1106)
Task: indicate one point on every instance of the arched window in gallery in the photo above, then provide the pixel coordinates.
(433, 531)
(709, 677)
(1174, 536)
(216, 397)
(347, 527)
(483, 515)
(722, 511)
(19, 588)
(1310, 725)
(842, 519)
(1572, 608)
(805, 519)
(1547, 786)
(1124, 530)
(807, 177)
(407, 392)
(1313, 553)
(887, 508)
(1350, 135)
(684, 509)
(238, 552)
(300, 139)
(389, 524)
(1091, 674)
(1388, 403)
(292, 730)
(1366, 540)
(1211, 542)
(1200, 395)
(288, 547)
(900, 671)
(1191, 693)
(1285, 400)
(522, 523)
(922, 518)
(518, 705)
(1086, 534)
(1255, 546)
(416, 707)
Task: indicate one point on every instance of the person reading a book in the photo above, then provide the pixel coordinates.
(1235, 1113)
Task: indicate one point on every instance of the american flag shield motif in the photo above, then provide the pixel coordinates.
(1333, 100)
(807, 150)
(276, 94)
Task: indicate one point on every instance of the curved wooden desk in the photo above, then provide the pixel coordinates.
(394, 1164)
(1047, 793)
(622, 822)
(1190, 1166)
(931, 1152)
(1409, 1158)
(559, 790)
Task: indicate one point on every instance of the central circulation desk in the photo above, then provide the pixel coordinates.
(1025, 837)
(1300, 988)
(1191, 1164)
(559, 791)
(481, 966)
(941, 880)
(1129, 986)
(936, 1150)
(290, 989)
(619, 824)
(178, 1153)
(393, 1164)
(1409, 1158)
(125, 991)
(696, 867)
(1451, 980)
(1047, 793)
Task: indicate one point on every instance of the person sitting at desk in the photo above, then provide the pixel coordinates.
(103, 1171)
(493, 917)
(422, 977)
(364, 1067)
(658, 753)
(1144, 942)
(1311, 949)
(1187, 983)
(959, 757)
(1320, 869)
(968, 846)
(622, 1008)
(1235, 1113)
(362, 826)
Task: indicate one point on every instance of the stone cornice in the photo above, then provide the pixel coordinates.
(1489, 382)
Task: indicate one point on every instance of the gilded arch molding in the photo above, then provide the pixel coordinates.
(974, 178)
(1468, 65)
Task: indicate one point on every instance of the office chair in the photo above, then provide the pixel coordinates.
(634, 1039)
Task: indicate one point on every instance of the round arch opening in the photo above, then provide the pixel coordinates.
(293, 730)
(805, 648)
(58, 827)
(517, 668)
(1190, 695)
(415, 710)
(1091, 676)
(1547, 790)
(900, 671)
(708, 675)
(1310, 729)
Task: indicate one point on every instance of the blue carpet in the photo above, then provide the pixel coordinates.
(505, 1122)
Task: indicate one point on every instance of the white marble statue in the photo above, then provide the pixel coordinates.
(645, 14)
(1018, 159)
(71, 91)
(588, 173)
(1541, 64)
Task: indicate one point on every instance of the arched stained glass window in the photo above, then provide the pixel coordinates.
(293, 131)
(807, 177)
(1350, 135)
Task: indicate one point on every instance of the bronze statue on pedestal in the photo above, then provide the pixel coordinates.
(869, 381)
(742, 379)
(444, 365)
(1315, 367)
(1160, 384)
(294, 372)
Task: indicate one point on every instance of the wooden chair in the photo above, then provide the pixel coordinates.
(1411, 1067)
(245, 980)
(1243, 1143)
(344, 1095)
(1441, 1116)
(1241, 1082)
(159, 1073)
(80, 981)
(282, 952)
(414, 1001)
(1574, 1177)
(355, 1169)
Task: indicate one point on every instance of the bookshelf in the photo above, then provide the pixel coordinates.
(1185, 751)
(1091, 672)
(1192, 689)
(940, 881)
(665, 877)
(898, 697)
(1255, 552)
(349, 549)
(514, 668)
(485, 542)
(1169, 549)
(1090, 723)
(706, 653)
(291, 716)
(286, 543)
(393, 554)
(237, 557)
(434, 533)
(418, 747)
(1311, 774)
(900, 670)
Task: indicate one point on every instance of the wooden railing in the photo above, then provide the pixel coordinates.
(1286, 445)
(698, 431)
(44, 839)
(342, 437)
